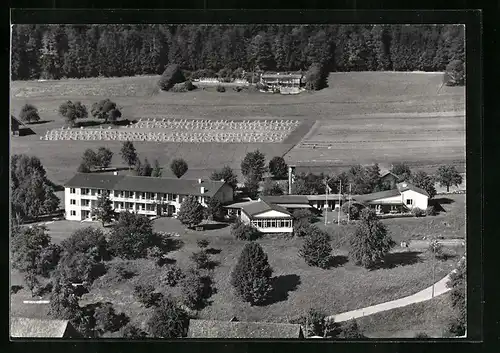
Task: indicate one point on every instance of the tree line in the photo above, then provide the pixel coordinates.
(76, 51)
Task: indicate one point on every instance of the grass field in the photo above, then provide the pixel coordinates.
(356, 106)
(430, 317)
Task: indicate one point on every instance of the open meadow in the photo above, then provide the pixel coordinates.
(360, 130)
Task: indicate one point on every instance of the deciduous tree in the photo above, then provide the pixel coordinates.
(254, 164)
(169, 320)
(90, 159)
(104, 157)
(226, 174)
(447, 175)
(370, 242)
(156, 170)
(278, 167)
(191, 212)
(129, 153)
(72, 111)
(271, 188)
(29, 114)
(131, 236)
(402, 170)
(424, 181)
(316, 249)
(103, 210)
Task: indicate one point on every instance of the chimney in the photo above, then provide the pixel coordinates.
(200, 181)
(202, 189)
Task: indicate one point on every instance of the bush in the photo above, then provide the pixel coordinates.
(251, 276)
(202, 243)
(132, 332)
(193, 289)
(301, 228)
(302, 215)
(189, 85)
(201, 259)
(421, 335)
(220, 88)
(106, 319)
(147, 295)
(171, 276)
(455, 73)
(15, 288)
(168, 320)
(316, 250)
(430, 211)
(172, 75)
(154, 253)
(350, 329)
(29, 114)
(417, 212)
(354, 210)
(243, 231)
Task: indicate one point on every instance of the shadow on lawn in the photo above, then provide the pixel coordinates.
(398, 259)
(214, 226)
(339, 260)
(282, 285)
(213, 251)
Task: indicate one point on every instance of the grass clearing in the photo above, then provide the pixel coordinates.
(430, 317)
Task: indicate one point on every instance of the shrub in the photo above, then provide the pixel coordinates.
(179, 88)
(301, 228)
(29, 114)
(350, 329)
(168, 320)
(154, 252)
(370, 242)
(15, 288)
(302, 216)
(430, 211)
(203, 243)
(147, 296)
(251, 276)
(421, 335)
(418, 212)
(106, 319)
(220, 88)
(455, 73)
(132, 332)
(201, 259)
(353, 210)
(172, 75)
(189, 85)
(316, 250)
(193, 289)
(243, 231)
(171, 276)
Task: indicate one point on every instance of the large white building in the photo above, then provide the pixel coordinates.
(148, 196)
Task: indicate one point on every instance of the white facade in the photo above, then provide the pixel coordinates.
(412, 199)
(270, 221)
(80, 201)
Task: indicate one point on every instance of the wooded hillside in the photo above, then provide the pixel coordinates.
(75, 51)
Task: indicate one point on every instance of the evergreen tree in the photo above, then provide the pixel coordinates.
(226, 174)
(251, 277)
(254, 164)
(169, 320)
(179, 167)
(156, 172)
(278, 167)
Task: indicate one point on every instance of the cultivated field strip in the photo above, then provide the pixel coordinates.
(185, 130)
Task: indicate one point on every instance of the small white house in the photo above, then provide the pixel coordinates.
(267, 218)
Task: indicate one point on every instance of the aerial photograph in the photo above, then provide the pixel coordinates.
(189, 181)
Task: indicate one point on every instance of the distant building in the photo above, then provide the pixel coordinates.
(389, 179)
(283, 82)
(21, 327)
(288, 202)
(239, 329)
(145, 195)
(267, 217)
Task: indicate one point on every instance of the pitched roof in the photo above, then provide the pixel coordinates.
(145, 184)
(295, 199)
(25, 327)
(238, 329)
(377, 195)
(404, 186)
(258, 207)
(389, 173)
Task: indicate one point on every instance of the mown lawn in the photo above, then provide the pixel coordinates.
(430, 317)
(297, 286)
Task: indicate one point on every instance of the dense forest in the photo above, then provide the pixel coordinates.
(75, 51)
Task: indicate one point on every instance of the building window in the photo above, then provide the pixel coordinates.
(73, 212)
(409, 202)
(85, 202)
(72, 191)
(72, 202)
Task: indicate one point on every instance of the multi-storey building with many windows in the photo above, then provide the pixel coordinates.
(145, 195)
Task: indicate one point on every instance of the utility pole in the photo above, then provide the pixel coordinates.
(349, 209)
(326, 201)
(340, 208)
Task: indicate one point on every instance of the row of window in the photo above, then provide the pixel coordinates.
(273, 223)
(136, 195)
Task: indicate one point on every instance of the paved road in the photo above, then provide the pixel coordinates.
(426, 294)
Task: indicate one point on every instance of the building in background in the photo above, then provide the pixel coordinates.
(144, 195)
(282, 82)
